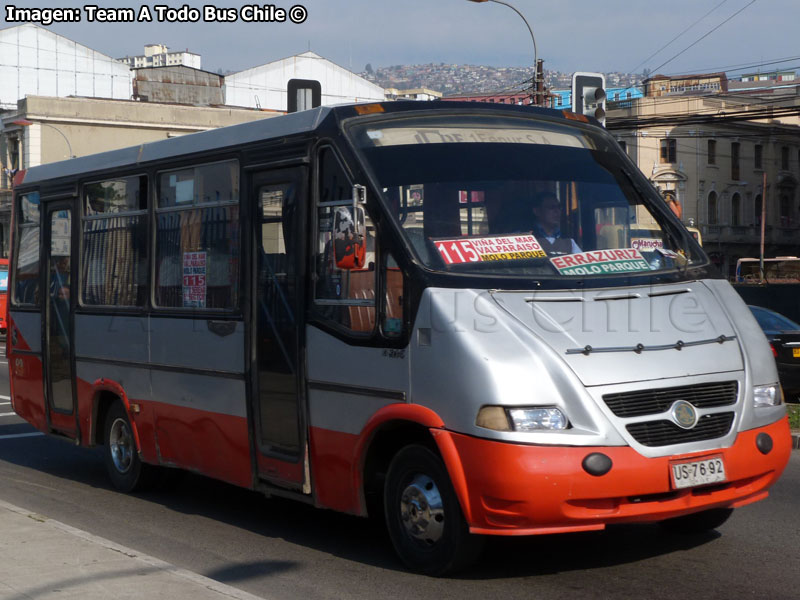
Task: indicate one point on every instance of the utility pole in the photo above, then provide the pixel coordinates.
(536, 62)
(538, 84)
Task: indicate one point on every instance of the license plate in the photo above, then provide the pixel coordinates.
(796, 352)
(697, 472)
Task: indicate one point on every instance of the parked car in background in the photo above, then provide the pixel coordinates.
(784, 338)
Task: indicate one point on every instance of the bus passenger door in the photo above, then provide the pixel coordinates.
(278, 399)
(58, 323)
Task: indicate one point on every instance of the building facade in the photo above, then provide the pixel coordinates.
(724, 159)
(178, 85)
(36, 61)
(422, 94)
(520, 98)
(298, 82)
(664, 85)
(563, 98)
(158, 55)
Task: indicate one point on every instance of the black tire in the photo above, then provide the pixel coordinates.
(126, 470)
(698, 522)
(423, 516)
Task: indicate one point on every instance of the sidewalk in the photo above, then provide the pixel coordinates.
(41, 558)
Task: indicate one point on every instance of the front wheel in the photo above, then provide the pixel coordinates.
(423, 516)
(698, 522)
(126, 470)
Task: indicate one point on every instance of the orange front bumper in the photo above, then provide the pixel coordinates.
(513, 489)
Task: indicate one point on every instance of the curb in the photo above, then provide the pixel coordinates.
(159, 567)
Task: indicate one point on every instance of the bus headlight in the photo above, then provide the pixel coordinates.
(767, 395)
(532, 418)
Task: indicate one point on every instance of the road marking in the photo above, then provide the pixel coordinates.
(12, 436)
(8, 414)
(5, 403)
(5, 397)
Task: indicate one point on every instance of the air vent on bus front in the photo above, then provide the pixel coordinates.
(655, 401)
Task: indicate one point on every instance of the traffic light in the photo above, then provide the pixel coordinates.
(589, 95)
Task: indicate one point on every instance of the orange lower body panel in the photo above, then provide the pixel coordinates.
(511, 489)
(334, 463)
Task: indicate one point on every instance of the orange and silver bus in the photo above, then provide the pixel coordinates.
(413, 309)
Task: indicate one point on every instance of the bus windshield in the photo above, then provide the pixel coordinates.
(519, 197)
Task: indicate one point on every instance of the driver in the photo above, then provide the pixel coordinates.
(547, 226)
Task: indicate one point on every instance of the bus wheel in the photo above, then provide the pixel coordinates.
(126, 470)
(423, 516)
(699, 522)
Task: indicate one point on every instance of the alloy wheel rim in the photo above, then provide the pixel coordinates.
(121, 445)
(422, 510)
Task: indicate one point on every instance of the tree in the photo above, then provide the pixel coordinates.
(369, 70)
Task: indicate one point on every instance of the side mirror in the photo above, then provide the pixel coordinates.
(349, 233)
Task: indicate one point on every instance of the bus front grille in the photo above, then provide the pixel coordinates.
(666, 433)
(651, 402)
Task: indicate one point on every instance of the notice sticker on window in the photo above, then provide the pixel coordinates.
(507, 247)
(601, 262)
(194, 279)
(647, 244)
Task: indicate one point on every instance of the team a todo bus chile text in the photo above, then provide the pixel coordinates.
(267, 13)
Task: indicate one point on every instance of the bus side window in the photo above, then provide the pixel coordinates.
(115, 224)
(26, 258)
(197, 237)
(345, 297)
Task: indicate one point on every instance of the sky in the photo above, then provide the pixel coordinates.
(571, 35)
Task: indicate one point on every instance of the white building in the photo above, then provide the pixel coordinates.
(421, 94)
(36, 61)
(158, 55)
(298, 82)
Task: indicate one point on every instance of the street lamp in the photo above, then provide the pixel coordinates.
(535, 50)
(27, 123)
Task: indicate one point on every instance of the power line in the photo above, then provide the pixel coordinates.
(743, 66)
(728, 98)
(705, 36)
(702, 119)
(677, 36)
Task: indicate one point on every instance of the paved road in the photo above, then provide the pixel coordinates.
(280, 549)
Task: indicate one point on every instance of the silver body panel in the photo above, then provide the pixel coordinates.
(472, 348)
(149, 354)
(373, 373)
(624, 318)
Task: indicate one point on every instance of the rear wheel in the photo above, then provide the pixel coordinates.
(699, 522)
(423, 516)
(126, 470)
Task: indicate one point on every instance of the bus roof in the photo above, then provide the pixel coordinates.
(223, 137)
(244, 133)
